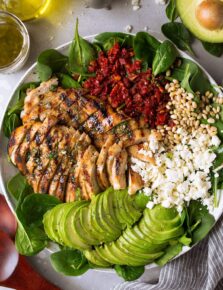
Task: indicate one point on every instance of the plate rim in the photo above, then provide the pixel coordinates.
(217, 213)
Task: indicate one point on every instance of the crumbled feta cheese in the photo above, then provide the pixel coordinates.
(136, 5)
(128, 28)
(161, 2)
(180, 175)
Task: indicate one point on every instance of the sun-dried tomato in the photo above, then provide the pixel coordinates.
(120, 80)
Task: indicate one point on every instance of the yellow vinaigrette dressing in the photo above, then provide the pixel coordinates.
(25, 9)
(11, 43)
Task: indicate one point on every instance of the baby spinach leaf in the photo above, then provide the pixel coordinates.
(30, 240)
(68, 82)
(108, 39)
(17, 185)
(35, 206)
(170, 252)
(191, 77)
(171, 11)
(50, 61)
(165, 56)
(145, 47)
(11, 122)
(197, 212)
(179, 35)
(81, 53)
(215, 49)
(129, 273)
(69, 262)
(12, 116)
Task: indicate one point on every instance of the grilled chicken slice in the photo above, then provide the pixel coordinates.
(102, 174)
(73, 186)
(123, 129)
(117, 165)
(88, 176)
(89, 104)
(135, 182)
(137, 136)
(42, 176)
(16, 139)
(57, 184)
(103, 120)
(134, 151)
(32, 100)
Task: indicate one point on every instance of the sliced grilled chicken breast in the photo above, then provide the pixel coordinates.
(136, 151)
(73, 185)
(102, 174)
(135, 182)
(33, 96)
(88, 176)
(117, 165)
(137, 136)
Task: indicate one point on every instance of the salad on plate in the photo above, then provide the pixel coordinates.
(119, 151)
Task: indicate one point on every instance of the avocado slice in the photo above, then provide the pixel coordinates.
(126, 257)
(97, 222)
(47, 223)
(118, 201)
(121, 206)
(108, 215)
(93, 257)
(162, 236)
(57, 214)
(126, 248)
(105, 254)
(136, 238)
(90, 236)
(68, 231)
(187, 11)
(133, 212)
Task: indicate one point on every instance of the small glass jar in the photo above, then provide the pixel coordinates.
(14, 43)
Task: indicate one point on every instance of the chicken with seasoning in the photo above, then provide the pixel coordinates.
(73, 145)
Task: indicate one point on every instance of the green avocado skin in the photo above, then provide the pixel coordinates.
(186, 10)
(112, 230)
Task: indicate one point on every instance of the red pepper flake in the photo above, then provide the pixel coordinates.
(120, 80)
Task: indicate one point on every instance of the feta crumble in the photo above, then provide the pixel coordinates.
(181, 175)
(161, 2)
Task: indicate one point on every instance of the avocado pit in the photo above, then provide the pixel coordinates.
(209, 14)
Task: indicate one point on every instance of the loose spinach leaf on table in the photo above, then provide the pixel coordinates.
(81, 53)
(50, 61)
(170, 252)
(69, 262)
(198, 215)
(171, 10)
(35, 206)
(68, 82)
(108, 39)
(12, 116)
(215, 49)
(165, 56)
(179, 35)
(129, 273)
(145, 47)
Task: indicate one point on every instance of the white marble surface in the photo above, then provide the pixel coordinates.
(56, 28)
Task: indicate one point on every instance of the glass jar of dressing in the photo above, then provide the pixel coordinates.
(25, 9)
(14, 43)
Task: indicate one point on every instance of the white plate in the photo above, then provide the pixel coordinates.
(7, 170)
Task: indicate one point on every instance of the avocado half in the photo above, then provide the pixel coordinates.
(187, 12)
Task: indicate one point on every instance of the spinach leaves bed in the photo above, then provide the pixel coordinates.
(71, 70)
